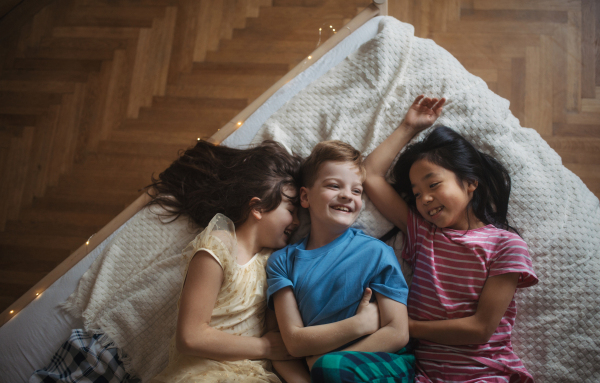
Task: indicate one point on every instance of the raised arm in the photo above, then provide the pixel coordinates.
(195, 336)
(496, 295)
(421, 115)
(314, 340)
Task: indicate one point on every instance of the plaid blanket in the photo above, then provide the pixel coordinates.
(355, 366)
(83, 359)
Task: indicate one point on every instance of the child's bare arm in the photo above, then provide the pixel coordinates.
(292, 371)
(421, 115)
(195, 336)
(393, 334)
(314, 340)
(496, 295)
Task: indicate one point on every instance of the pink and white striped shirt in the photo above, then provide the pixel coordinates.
(450, 269)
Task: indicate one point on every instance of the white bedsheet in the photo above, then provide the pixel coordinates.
(28, 341)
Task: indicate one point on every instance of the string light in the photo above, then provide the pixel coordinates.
(239, 123)
(11, 311)
(309, 57)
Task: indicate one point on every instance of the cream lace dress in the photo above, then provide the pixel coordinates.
(239, 310)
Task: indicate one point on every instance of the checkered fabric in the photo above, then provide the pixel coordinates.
(83, 359)
(355, 366)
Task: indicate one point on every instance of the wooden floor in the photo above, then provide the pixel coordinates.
(97, 95)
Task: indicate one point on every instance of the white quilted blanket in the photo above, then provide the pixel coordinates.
(365, 97)
(131, 290)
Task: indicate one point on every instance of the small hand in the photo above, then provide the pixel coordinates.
(275, 348)
(423, 112)
(368, 313)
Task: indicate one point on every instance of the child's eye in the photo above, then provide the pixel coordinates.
(434, 184)
(357, 191)
(417, 195)
(334, 186)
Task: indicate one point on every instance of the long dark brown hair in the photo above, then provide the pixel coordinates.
(208, 179)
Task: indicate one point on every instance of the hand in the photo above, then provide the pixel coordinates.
(368, 313)
(274, 347)
(423, 112)
(310, 360)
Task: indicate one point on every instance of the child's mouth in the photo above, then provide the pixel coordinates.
(341, 208)
(435, 211)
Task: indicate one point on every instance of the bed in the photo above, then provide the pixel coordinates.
(357, 89)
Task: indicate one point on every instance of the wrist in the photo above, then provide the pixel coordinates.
(412, 328)
(264, 347)
(360, 326)
(408, 128)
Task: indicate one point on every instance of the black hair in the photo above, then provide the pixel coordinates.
(448, 149)
(208, 179)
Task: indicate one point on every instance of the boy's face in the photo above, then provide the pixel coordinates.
(334, 200)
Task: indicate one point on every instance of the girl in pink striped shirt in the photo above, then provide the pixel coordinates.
(467, 260)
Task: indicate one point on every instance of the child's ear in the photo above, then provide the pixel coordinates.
(471, 186)
(256, 213)
(304, 197)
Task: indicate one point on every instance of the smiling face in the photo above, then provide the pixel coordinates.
(441, 198)
(334, 199)
(276, 226)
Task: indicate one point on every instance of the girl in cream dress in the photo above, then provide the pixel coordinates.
(246, 200)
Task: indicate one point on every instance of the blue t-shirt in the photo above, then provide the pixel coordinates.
(329, 282)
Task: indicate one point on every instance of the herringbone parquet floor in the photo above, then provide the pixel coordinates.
(96, 95)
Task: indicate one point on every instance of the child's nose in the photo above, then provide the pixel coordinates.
(427, 198)
(345, 193)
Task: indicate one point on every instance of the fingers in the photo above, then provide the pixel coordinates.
(366, 296)
(437, 108)
(418, 99)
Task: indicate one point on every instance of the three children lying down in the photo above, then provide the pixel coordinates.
(335, 307)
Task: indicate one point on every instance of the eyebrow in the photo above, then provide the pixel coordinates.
(428, 175)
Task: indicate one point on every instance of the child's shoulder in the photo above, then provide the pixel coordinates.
(366, 240)
(497, 239)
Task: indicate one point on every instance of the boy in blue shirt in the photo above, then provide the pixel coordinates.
(316, 285)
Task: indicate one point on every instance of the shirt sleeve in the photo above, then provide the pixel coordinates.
(277, 274)
(513, 257)
(412, 225)
(389, 280)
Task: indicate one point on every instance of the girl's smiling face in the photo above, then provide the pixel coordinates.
(441, 198)
(278, 224)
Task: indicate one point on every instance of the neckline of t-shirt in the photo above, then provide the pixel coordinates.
(252, 260)
(303, 253)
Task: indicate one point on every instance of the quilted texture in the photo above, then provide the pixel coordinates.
(363, 99)
(130, 292)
